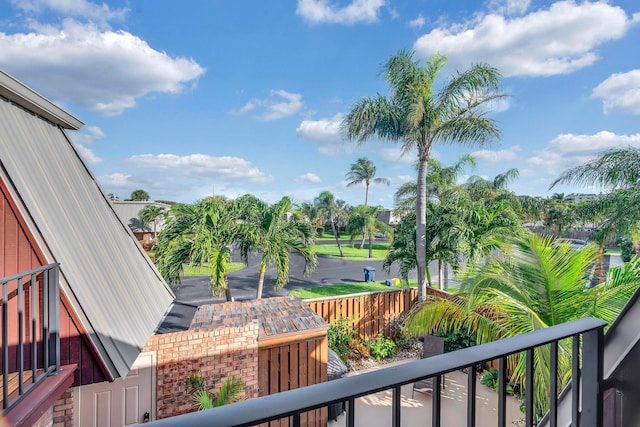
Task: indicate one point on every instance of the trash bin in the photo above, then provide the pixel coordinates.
(369, 274)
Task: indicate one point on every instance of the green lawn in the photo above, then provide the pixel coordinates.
(353, 252)
(204, 270)
(345, 289)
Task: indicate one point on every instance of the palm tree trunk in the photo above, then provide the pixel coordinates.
(366, 195)
(263, 269)
(440, 274)
(421, 227)
(364, 236)
(446, 277)
(227, 293)
(370, 247)
(335, 235)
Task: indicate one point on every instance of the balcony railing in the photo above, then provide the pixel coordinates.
(30, 331)
(586, 372)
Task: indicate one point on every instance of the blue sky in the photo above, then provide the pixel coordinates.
(186, 99)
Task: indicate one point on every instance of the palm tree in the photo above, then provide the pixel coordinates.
(149, 214)
(418, 115)
(329, 209)
(364, 220)
(201, 233)
(231, 391)
(531, 284)
(139, 196)
(276, 234)
(363, 170)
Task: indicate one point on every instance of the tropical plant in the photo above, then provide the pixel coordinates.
(150, 214)
(330, 209)
(363, 220)
(363, 170)
(139, 196)
(530, 284)
(418, 115)
(275, 233)
(381, 347)
(231, 391)
(201, 233)
(343, 339)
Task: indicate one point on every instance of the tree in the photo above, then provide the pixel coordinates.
(530, 284)
(149, 214)
(231, 391)
(139, 196)
(275, 235)
(363, 170)
(363, 220)
(418, 115)
(202, 233)
(330, 210)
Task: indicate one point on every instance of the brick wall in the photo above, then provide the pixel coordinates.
(62, 410)
(211, 354)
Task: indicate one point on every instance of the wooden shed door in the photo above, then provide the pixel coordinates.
(120, 403)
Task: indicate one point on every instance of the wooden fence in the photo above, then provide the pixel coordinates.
(370, 313)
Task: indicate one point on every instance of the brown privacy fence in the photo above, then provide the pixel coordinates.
(371, 313)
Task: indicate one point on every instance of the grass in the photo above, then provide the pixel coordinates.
(205, 270)
(353, 252)
(344, 289)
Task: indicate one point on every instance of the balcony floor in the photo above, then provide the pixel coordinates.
(375, 410)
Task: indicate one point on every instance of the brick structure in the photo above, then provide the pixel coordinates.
(62, 410)
(212, 354)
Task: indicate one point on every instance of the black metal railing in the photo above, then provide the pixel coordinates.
(30, 331)
(587, 337)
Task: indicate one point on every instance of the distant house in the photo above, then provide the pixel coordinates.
(129, 213)
(388, 216)
(80, 298)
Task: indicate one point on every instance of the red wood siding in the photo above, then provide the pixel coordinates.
(18, 253)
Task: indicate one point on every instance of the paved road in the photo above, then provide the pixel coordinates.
(194, 291)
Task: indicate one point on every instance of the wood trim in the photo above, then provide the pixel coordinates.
(40, 399)
(289, 337)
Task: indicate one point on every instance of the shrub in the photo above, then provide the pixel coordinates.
(399, 335)
(457, 339)
(342, 339)
(381, 347)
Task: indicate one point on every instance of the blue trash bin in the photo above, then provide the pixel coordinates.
(369, 274)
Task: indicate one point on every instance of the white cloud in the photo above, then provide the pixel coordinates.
(83, 139)
(418, 22)
(115, 180)
(495, 156)
(78, 8)
(273, 108)
(558, 40)
(310, 178)
(323, 11)
(509, 7)
(325, 131)
(396, 154)
(568, 150)
(620, 92)
(104, 71)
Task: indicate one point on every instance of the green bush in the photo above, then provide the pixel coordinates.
(342, 339)
(457, 339)
(381, 347)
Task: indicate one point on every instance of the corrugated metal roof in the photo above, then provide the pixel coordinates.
(128, 212)
(112, 284)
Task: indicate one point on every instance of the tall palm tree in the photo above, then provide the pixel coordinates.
(275, 235)
(330, 210)
(418, 115)
(149, 214)
(204, 232)
(363, 170)
(531, 284)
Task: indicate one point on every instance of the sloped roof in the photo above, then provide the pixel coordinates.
(112, 285)
(275, 316)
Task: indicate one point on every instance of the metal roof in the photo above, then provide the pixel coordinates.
(128, 212)
(113, 286)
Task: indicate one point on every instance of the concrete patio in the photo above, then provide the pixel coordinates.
(375, 410)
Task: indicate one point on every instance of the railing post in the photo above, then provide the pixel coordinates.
(592, 355)
(55, 325)
(5, 344)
